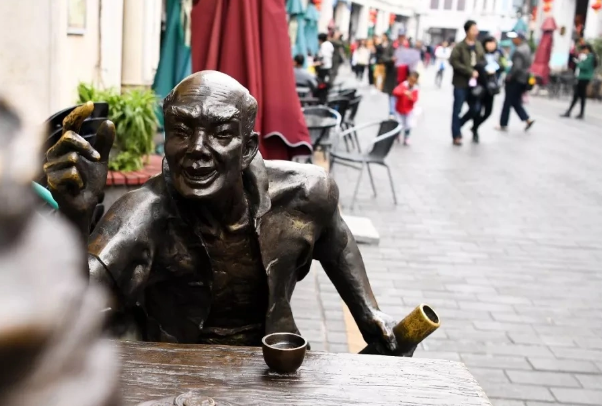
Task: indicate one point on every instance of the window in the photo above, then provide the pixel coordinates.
(434, 4)
(484, 5)
(461, 5)
(447, 4)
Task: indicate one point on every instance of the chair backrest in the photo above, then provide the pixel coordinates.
(340, 104)
(347, 93)
(318, 135)
(309, 101)
(354, 105)
(303, 91)
(387, 133)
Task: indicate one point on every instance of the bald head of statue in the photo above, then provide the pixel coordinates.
(209, 120)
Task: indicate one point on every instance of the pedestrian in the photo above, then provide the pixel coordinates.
(372, 64)
(387, 59)
(406, 97)
(338, 56)
(325, 54)
(464, 59)
(362, 59)
(379, 67)
(517, 82)
(302, 76)
(489, 73)
(442, 54)
(586, 65)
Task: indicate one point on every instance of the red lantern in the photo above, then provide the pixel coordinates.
(373, 14)
(318, 4)
(597, 6)
(547, 7)
(547, 1)
(392, 19)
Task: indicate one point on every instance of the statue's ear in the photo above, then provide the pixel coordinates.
(250, 149)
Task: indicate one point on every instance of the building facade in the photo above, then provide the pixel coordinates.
(47, 47)
(444, 19)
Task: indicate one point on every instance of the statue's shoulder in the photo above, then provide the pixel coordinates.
(304, 187)
(151, 198)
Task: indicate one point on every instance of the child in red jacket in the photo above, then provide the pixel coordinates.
(407, 96)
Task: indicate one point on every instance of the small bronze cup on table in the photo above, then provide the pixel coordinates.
(284, 352)
(412, 330)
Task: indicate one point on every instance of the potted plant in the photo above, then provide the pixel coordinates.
(133, 113)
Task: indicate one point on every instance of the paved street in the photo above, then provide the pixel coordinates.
(503, 238)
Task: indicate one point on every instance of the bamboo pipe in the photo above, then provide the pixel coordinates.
(415, 327)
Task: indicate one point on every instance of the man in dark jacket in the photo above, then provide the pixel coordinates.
(464, 58)
(387, 59)
(517, 82)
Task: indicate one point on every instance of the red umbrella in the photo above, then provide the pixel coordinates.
(248, 40)
(541, 62)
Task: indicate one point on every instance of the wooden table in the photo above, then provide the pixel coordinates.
(239, 376)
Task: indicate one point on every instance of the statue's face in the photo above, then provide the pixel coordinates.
(205, 146)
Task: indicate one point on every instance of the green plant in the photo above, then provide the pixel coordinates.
(133, 114)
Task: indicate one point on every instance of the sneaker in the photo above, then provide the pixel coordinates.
(406, 141)
(458, 142)
(475, 135)
(580, 117)
(565, 115)
(502, 129)
(530, 123)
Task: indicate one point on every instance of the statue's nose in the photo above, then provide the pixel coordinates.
(198, 143)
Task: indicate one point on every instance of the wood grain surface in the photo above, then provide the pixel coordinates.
(238, 376)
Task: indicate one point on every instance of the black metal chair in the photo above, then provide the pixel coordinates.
(309, 101)
(339, 104)
(320, 120)
(303, 91)
(388, 131)
(349, 122)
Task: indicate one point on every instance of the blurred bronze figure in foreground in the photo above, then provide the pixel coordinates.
(210, 250)
(50, 320)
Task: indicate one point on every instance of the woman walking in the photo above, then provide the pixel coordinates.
(362, 59)
(586, 65)
(489, 75)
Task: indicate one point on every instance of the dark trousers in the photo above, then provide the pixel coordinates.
(462, 95)
(579, 93)
(514, 99)
(371, 74)
(485, 111)
(323, 74)
(359, 71)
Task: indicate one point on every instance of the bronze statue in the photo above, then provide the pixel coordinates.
(210, 250)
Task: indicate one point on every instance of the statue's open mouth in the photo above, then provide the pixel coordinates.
(197, 176)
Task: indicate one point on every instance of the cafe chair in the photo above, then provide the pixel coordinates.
(319, 133)
(380, 147)
(349, 122)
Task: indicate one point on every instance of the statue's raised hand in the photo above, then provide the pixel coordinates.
(75, 171)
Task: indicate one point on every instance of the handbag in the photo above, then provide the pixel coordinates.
(477, 91)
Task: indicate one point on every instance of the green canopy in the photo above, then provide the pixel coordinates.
(175, 63)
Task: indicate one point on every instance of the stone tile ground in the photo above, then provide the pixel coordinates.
(503, 238)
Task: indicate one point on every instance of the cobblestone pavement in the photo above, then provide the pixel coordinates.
(503, 238)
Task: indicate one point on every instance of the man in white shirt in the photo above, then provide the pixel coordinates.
(325, 55)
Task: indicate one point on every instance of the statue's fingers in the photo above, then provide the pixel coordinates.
(62, 162)
(65, 179)
(74, 120)
(72, 142)
(105, 136)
